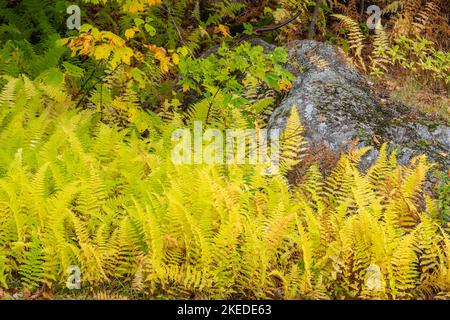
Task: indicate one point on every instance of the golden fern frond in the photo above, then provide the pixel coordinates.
(362, 190)
(404, 264)
(380, 45)
(7, 96)
(403, 21)
(292, 141)
(414, 180)
(339, 183)
(107, 295)
(428, 248)
(319, 62)
(355, 36)
(32, 269)
(393, 7)
(382, 167)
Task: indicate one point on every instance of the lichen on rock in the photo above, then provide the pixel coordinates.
(338, 106)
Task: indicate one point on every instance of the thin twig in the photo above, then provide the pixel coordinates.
(272, 28)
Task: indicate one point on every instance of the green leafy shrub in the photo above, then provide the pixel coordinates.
(420, 55)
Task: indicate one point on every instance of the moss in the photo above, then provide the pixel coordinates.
(423, 143)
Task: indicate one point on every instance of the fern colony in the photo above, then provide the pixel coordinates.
(87, 179)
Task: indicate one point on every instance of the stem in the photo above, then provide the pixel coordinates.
(312, 26)
(272, 28)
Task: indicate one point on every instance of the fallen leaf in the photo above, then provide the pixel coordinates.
(223, 30)
(376, 139)
(47, 295)
(129, 33)
(284, 85)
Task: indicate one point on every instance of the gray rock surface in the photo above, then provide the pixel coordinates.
(337, 106)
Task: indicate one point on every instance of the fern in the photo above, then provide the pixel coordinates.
(356, 38)
(292, 141)
(379, 56)
(31, 269)
(109, 199)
